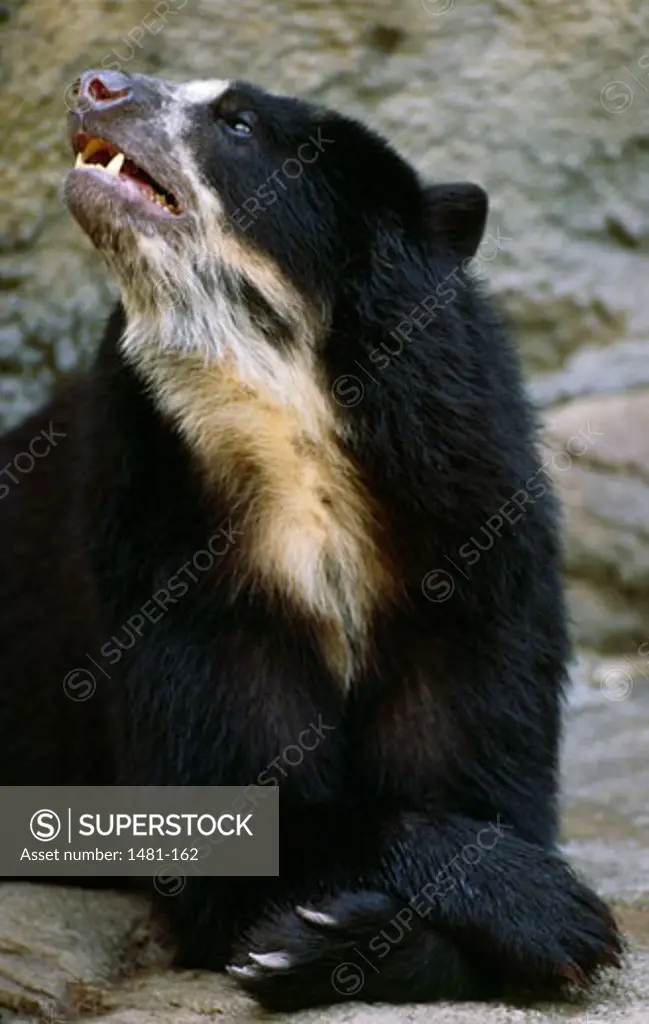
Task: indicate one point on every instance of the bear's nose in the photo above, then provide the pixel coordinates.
(99, 90)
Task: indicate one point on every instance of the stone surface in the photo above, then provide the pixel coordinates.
(597, 450)
(595, 371)
(57, 945)
(66, 953)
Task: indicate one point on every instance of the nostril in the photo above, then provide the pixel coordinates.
(101, 93)
(98, 89)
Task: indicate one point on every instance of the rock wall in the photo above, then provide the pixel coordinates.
(545, 102)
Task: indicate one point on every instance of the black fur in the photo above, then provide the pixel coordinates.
(448, 740)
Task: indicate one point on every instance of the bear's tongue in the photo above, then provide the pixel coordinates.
(103, 155)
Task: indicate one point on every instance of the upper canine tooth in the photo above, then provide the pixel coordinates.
(79, 162)
(92, 147)
(115, 165)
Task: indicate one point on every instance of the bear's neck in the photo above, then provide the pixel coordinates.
(266, 434)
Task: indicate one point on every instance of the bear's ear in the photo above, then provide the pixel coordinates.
(455, 214)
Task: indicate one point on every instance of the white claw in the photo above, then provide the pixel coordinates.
(242, 972)
(273, 961)
(316, 917)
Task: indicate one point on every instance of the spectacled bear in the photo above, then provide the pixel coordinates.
(303, 366)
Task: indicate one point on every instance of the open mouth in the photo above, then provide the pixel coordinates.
(103, 156)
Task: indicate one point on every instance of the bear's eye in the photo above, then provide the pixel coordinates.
(240, 124)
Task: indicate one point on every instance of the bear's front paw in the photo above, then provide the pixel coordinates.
(308, 955)
(561, 934)
(589, 937)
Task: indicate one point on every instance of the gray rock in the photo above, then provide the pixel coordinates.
(604, 487)
(595, 371)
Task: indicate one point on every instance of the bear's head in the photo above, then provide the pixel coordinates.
(239, 221)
